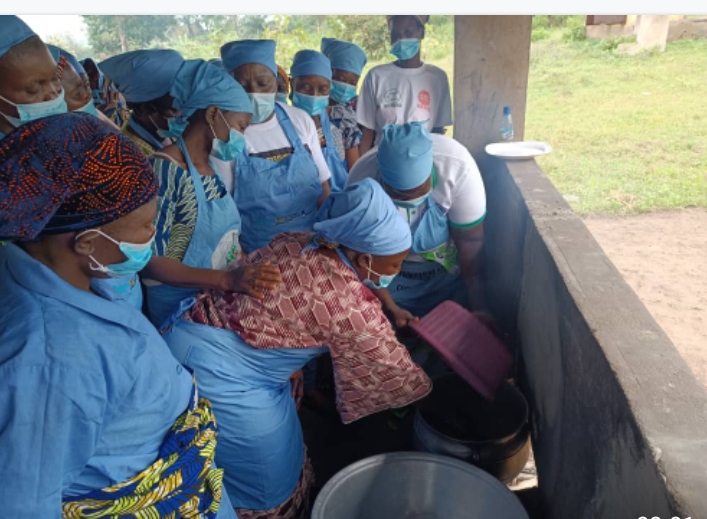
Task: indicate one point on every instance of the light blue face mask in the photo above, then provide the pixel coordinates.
(313, 105)
(405, 49)
(281, 98)
(89, 108)
(342, 92)
(176, 128)
(227, 151)
(414, 203)
(263, 106)
(36, 111)
(138, 254)
(383, 282)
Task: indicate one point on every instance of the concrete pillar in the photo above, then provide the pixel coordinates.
(652, 31)
(491, 63)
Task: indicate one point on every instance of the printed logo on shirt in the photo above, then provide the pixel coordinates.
(392, 99)
(274, 155)
(423, 99)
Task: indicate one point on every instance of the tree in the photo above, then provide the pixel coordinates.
(67, 42)
(368, 31)
(110, 35)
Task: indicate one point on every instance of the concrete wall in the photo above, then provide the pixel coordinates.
(491, 63)
(620, 423)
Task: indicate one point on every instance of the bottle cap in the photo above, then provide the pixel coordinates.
(506, 110)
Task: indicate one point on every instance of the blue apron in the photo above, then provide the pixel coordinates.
(422, 285)
(215, 237)
(260, 444)
(143, 133)
(276, 197)
(337, 182)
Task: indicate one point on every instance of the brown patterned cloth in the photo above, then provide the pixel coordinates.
(297, 506)
(321, 302)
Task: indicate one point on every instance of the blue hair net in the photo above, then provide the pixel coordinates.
(344, 55)
(13, 31)
(405, 155)
(200, 84)
(143, 75)
(364, 219)
(310, 63)
(242, 52)
(57, 51)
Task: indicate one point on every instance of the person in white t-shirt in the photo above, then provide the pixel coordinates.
(405, 90)
(282, 178)
(437, 187)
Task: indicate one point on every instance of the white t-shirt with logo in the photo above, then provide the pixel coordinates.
(395, 95)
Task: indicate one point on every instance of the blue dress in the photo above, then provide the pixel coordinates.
(260, 445)
(89, 389)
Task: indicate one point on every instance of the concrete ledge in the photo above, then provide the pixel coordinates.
(620, 423)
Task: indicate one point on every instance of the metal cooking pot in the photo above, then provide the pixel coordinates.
(494, 436)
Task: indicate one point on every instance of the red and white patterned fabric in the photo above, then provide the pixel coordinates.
(321, 302)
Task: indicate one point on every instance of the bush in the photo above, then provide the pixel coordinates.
(540, 34)
(574, 34)
(611, 44)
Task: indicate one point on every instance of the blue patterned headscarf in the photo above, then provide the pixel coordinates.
(69, 172)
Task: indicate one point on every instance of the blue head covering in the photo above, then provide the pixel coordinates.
(364, 219)
(217, 62)
(200, 84)
(242, 52)
(405, 155)
(12, 32)
(57, 51)
(344, 55)
(143, 75)
(69, 172)
(310, 63)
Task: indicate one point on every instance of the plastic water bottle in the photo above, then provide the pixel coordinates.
(507, 124)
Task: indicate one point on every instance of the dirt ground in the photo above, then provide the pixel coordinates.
(663, 257)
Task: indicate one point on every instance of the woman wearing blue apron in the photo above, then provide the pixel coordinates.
(438, 189)
(283, 177)
(243, 360)
(311, 83)
(144, 78)
(198, 224)
(347, 62)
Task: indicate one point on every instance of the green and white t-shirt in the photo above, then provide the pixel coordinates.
(457, 187)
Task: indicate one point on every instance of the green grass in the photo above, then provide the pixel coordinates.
(629, 133)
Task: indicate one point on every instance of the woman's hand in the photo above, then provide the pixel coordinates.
(253, 280)
(401, 317)
(297, 384)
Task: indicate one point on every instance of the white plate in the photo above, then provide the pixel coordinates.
(518, 150)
